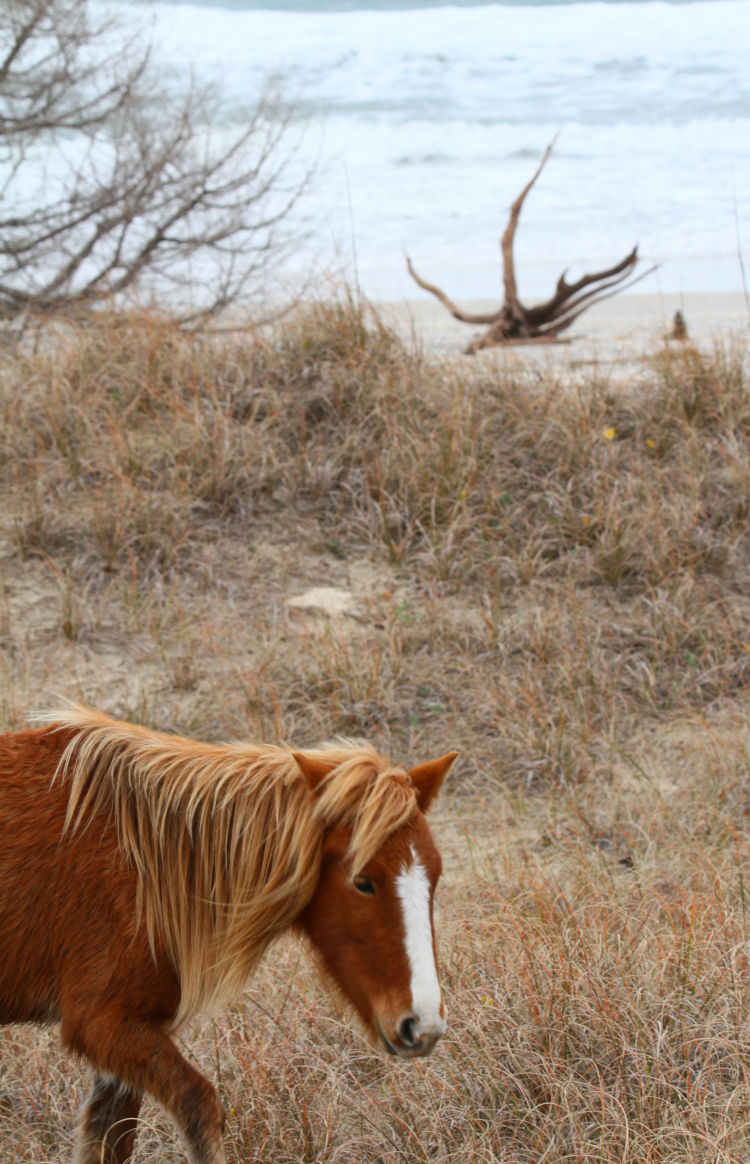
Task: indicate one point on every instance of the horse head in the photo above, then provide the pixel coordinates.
(370, 919)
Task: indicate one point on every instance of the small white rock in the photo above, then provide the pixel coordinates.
(328, 599)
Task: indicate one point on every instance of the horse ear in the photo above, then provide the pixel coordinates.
(312, 768)
(428, 778)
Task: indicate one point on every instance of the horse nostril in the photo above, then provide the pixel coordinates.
(407, 1030)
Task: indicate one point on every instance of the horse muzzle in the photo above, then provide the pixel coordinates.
(412, 1037)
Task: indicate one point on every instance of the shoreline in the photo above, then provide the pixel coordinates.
(625, 327)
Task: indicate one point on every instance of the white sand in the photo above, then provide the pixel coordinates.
(619, 329)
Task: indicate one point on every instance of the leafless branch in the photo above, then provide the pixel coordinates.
(105, 188)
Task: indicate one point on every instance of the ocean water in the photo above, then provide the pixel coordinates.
(425, 120)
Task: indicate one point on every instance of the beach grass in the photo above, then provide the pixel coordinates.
(547, 570)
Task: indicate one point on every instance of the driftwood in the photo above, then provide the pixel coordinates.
(679, 327)
(516, 324)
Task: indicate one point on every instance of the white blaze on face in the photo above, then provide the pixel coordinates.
(413, 889)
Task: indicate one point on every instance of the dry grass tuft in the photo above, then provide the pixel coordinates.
(548, 571)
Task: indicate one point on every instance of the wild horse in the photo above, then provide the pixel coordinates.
(143, 876)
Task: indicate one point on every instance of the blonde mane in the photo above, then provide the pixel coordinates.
(226, 839)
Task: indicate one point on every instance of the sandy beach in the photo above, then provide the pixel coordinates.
(618, 331)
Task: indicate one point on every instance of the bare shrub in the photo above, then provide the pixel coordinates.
(110, 184)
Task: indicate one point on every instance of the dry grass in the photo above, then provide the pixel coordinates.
(550, 573)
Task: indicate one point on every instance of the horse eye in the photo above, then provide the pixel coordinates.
(364, 885)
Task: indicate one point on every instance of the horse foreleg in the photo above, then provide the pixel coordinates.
(107, 1124)
(145, 1059)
